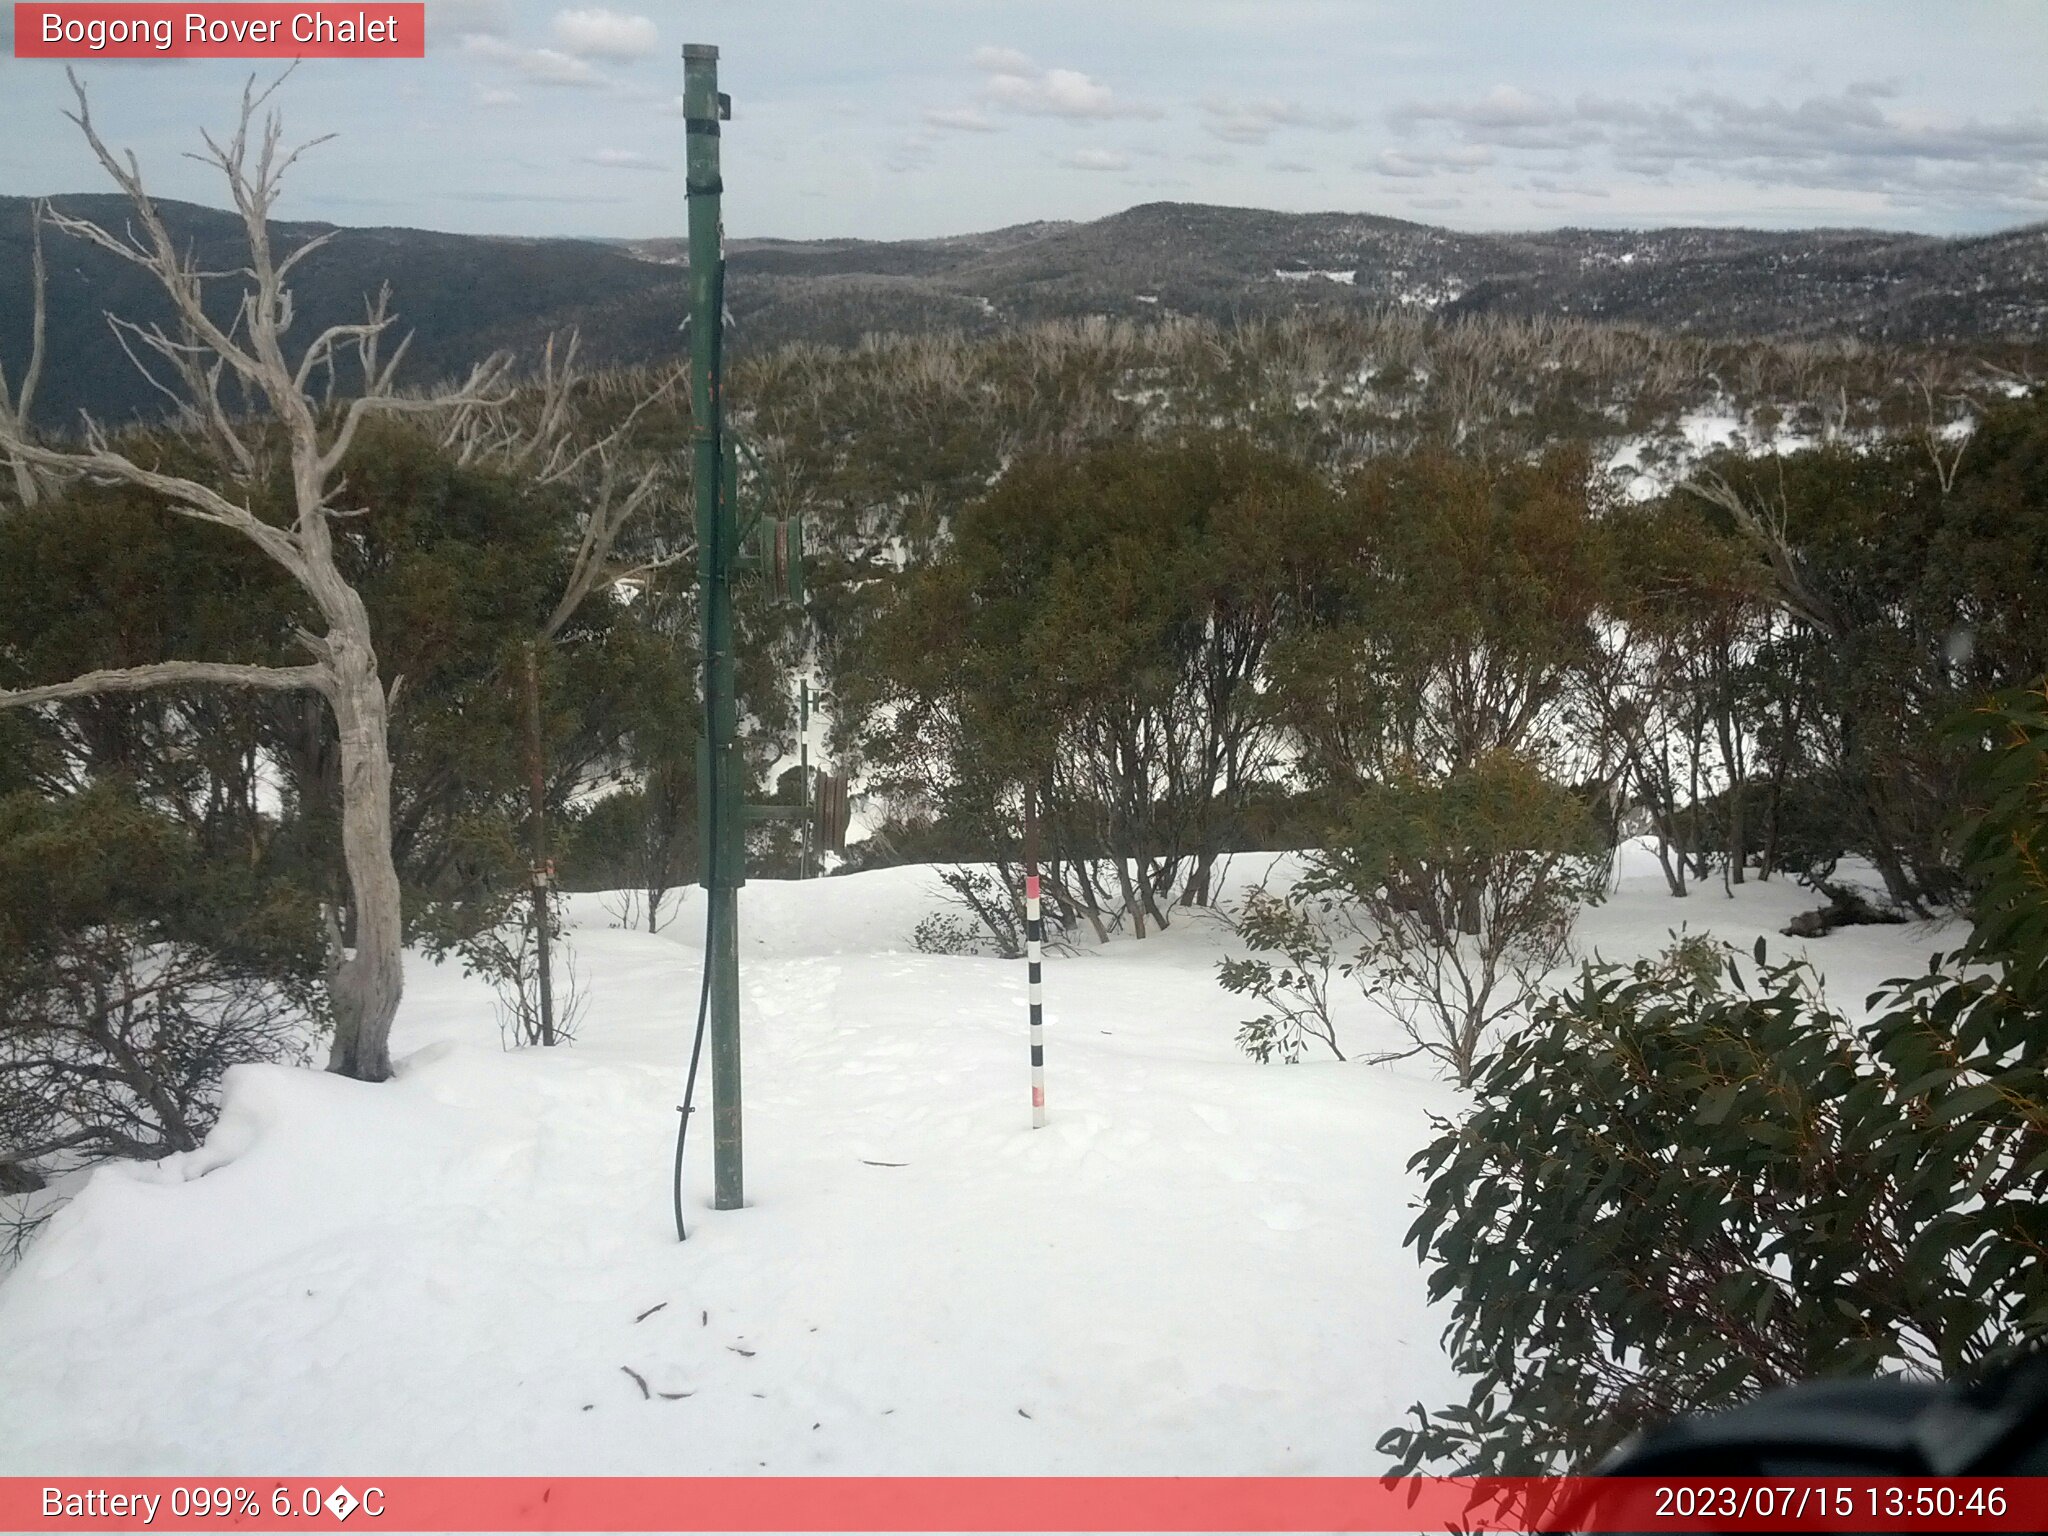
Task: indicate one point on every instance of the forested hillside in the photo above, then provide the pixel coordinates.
(464, 296)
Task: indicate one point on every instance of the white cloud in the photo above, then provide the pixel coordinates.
(1005, 61)
(1505, 106)
(1459, 159)
(1291, 167)
(602, 34)
(961, 119)
(1054, 93)
(623, 160)
(1860, 140)
(468, 18)
(543, 66)
(1566, 188)
(1097, 160)
(493, 96)
(1014, 83)
(1064, 93)
(1393, 163)
(1250, 122)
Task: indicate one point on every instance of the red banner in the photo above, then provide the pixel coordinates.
(1023, 1504)
(217, 31)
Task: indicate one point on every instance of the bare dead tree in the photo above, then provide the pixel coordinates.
(15, 406)
(365, 979)
(541, 439)
(1762, 522)
(545, 445)
(1945, 445)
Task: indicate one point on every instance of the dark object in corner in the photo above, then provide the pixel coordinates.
(1846, 908)
(1886, 1427)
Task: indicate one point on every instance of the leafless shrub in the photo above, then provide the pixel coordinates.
(115, 1045)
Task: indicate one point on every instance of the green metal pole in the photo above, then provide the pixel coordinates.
(719, 781)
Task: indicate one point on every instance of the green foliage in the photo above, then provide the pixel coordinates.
(1296, 991)
(1467, 886)
(102, 856)
(642, 839)
(946, 933)
(1676, 1191)
(1097, 625)
(1916, 592)
(2007, 845)
(1452, 607)
(1681, 1187)
(1672, 688)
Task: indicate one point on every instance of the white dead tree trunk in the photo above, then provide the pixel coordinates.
(366, 978)
(15, 406)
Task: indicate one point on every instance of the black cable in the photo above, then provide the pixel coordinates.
(711, 785)
(710, 856)
(696, 1050)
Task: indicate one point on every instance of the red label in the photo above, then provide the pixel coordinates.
(217, 31)
(1519, 1505)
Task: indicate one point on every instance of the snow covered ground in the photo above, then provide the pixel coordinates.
(1196, 1267)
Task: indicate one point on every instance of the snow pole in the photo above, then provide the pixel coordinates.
(1034, 952)
(803, 773)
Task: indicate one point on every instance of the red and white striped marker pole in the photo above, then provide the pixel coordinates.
(1034, 952)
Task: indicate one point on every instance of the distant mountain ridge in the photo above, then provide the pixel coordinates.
(465, 295)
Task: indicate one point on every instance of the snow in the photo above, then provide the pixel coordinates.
(1196, 1267)
(1432, 295)
(1650, 464)
(1332, 275)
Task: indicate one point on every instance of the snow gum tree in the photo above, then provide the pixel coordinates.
(1455, 604)
(214, 353)
(1427, 693)
(1098, 627)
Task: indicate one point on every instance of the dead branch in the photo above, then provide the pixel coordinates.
(607, 515)
(1764, 526)
(171, 674)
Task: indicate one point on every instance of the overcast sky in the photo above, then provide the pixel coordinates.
(890, 118)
